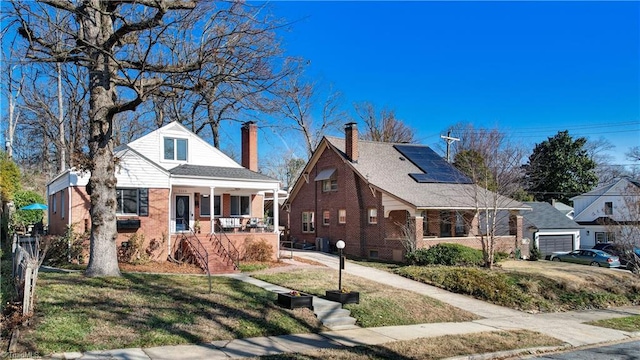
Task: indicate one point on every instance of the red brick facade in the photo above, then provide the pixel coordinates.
(384, 238)
(354, 196)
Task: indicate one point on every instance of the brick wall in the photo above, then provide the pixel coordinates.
(352, 195)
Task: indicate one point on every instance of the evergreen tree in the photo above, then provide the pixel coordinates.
(560, 168)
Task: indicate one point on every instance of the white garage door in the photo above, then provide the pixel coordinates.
(551, 243)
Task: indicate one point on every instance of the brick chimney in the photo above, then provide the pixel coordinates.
(351, 141)
(250, 145)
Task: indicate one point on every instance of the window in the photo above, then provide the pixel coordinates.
(175, 149)
(373, 216)
(326, 218)
(445, 224)
(608, 208)
(425, 222)
(62, 204)
(205, 205)
(460, 228)
(127, 201)
(342, 216)
(240, 205)
(53, 202)
(132, 202)
(329, 185)
(605, 237)
(308, 222)
(216, 206)
(373, 254)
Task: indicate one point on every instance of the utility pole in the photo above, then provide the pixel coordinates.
(449, 141)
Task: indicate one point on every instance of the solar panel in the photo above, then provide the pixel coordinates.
(435, 169)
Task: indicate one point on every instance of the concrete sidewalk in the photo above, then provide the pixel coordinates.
(568, 327)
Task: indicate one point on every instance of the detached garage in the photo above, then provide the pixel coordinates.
(549, 244)
(550, 229)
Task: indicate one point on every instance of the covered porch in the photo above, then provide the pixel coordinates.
(428, 227)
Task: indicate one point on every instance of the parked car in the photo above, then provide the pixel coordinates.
(588, 257)
(625, 254)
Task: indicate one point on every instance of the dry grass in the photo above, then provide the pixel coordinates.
(75, 313)
(432, 348)
(380, 305)
(575, 276)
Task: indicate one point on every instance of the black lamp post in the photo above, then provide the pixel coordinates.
(340, 245)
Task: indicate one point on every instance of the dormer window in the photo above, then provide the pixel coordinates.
(328, 179)
(175, 149)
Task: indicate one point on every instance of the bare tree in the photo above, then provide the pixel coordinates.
(12, 89)
(605, 169)
(633, 153)
(493, 164)
(286, 167)
(54, 106)
(308, 113)
(244, 68)
(383, 125)
(130, 50)
(624, 224)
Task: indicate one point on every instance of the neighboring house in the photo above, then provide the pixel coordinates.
(563, 208)
(170, 182)
(366, 193)
(604, 210)
(550, 229)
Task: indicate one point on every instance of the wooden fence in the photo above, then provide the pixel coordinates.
(26, 253)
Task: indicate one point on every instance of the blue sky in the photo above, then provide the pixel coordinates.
(529, 68)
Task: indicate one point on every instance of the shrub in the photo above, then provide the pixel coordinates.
(446, 254)
(534, 252)
(65, 249)
(131, 251)
(257, 250)
(22, 218)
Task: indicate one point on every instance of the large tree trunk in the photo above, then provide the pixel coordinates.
(102, 184)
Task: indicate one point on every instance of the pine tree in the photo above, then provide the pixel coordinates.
(560, 168)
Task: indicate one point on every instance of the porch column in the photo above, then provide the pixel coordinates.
(211, 210)
(418, 231)
(276, 219)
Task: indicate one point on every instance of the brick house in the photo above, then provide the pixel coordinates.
(366, 193)
(179, 193)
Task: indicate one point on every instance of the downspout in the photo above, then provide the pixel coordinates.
(69, 206)
(169, 218)
(276, 218)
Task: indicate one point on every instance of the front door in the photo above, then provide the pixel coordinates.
(182, 213)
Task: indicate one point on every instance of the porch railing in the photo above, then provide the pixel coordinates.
(230, 250)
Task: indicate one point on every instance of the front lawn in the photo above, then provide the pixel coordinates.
(380, 305)
(76, 313)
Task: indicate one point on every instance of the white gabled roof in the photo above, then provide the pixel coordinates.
(199, 152)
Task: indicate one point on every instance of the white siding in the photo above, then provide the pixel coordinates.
(199, 152)
(589, 208)
(66, 179)
(134, 171)
(390, 204)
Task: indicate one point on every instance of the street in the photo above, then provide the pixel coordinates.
(622, 351)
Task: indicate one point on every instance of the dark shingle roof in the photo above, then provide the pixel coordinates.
(219, 172)
(383, 166)
(545, 216)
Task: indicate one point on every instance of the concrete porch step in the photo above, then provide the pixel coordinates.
(332, 315)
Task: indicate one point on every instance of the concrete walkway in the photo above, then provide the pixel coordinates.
(568, 327)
